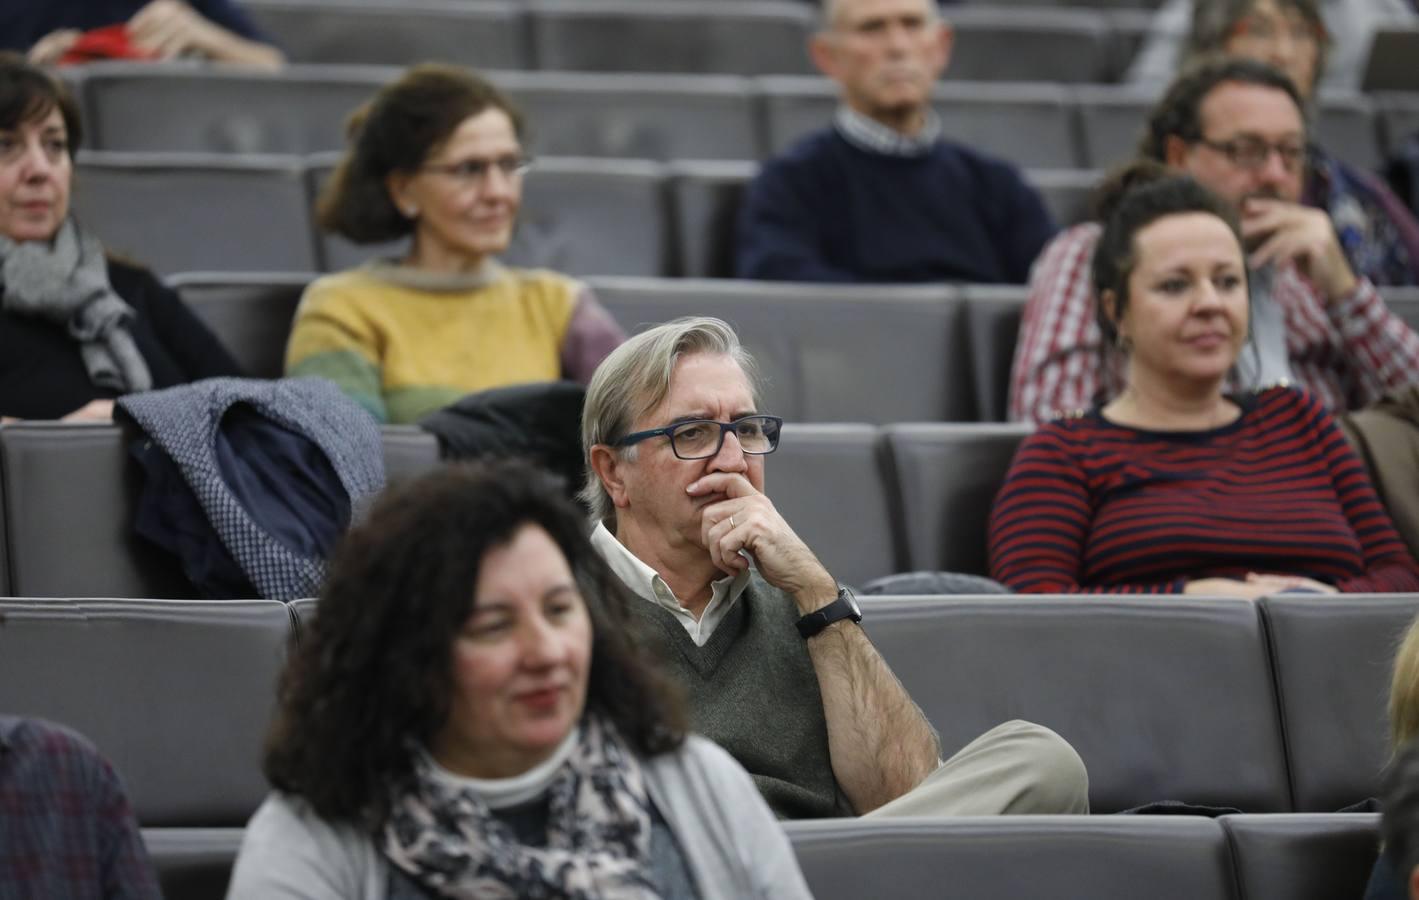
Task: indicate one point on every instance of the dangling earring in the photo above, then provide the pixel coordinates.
(410, 212)
(1122, 343)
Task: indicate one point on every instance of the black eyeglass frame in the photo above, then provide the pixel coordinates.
(724, 428)
(1233, 148)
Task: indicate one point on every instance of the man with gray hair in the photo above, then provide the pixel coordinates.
(882, 195)
(763, 639)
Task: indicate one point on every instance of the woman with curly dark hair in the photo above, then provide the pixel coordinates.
(469, 715)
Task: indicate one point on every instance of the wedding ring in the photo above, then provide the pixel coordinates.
(731, 521)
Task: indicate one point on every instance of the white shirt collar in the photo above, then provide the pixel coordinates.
(500, 793)
(874, 137)
(646, 583)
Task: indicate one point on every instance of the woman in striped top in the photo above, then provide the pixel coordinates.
(1175, 486)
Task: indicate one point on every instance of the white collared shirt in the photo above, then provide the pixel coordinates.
(647, 583)
(874, 137)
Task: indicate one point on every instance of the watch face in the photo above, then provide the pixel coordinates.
(851, 602)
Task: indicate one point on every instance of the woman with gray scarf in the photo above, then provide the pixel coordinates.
(77, 327)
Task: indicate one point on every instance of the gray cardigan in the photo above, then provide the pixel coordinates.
(732, 844)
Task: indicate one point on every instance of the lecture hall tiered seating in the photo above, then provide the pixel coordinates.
(648, 118)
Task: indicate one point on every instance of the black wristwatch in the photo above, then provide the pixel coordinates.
(845, 607)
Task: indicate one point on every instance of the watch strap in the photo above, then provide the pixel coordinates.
(841, 608)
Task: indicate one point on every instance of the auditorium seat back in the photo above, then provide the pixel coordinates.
(728, 37)
(827, 353)
(1332, 658)
(177, 694)
(1006, 858)
(829, 482)
(250, 312)
(1164, 698)
(947, 476)
(69, 495)
(193, 863)
(483, 34)
(198, 212)
(1303, 856)
(993, 322)
(198, 108)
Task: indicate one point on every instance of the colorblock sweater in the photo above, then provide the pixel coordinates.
(1092, 506)
(404, 343)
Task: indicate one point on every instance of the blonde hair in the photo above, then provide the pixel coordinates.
(1404, 690)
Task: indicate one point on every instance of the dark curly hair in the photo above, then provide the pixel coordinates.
(395, 132)
(1179, 113)
(28, 93)
(374, 670)
(1130, 199)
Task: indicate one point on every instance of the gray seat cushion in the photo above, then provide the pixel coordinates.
(1164, 698)
(177, 694)
(1303, 856)
(1011, 857)
(1332, 657)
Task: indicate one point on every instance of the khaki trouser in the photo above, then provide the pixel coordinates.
(1017, 768)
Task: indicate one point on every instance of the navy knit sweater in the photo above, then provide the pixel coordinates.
(828, 210)
(1091, 506)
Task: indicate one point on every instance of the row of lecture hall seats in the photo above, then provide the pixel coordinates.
(1273, 706)
(700, 36)
(204, 212)
(827, 353)
(183, 108)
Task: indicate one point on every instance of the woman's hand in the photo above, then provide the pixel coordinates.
(171, 28)
(48, 49)
(93, 411)
(1226, 587)
(1277, 583)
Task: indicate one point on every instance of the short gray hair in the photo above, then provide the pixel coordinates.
(1213, 22)
(635, 378)
(830, 9)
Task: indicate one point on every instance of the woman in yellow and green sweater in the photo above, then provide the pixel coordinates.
(438, 155)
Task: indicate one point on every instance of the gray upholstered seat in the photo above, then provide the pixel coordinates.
(1111, 121)
(1332, 659)
(68, 501)
(636, 116)
(1012, 857)
(988, 117)
(848, 526)
(193, 863)
(947, 476)
(250, 312)
(200, 108)
(1347, 129)
(829, 353)
(1164, 698)
(1399, 118)
(579, 216)
(484, 34)
(705, 200)
(1303, 856)
(1404, 302)
(727, 37)
(184, 212)
(177, 694)
(1066, 192)
(1011, 44)
(993, 323)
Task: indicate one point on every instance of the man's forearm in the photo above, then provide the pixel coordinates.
(881, 744)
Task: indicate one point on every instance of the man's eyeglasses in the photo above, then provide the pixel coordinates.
(475, 171)
(1252, 153)
(703, 438)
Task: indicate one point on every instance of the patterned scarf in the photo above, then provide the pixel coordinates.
(66, 281)
(598, 831)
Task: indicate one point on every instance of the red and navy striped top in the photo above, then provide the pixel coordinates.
(1092, 506)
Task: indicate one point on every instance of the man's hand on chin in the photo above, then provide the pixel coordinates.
(747, 520)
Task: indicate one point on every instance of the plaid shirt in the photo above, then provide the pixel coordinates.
(1348, 353)
(66, 829)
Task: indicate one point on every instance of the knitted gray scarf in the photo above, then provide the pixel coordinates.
(66, 281)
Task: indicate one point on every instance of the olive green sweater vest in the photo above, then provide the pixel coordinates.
(752, 689)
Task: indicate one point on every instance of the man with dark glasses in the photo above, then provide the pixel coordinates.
(763, 639)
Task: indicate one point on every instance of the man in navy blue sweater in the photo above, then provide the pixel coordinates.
(881, 196)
